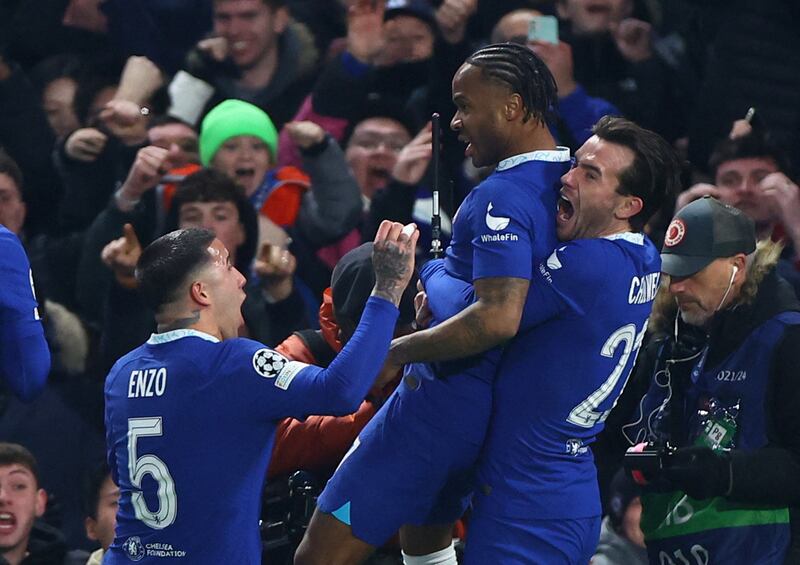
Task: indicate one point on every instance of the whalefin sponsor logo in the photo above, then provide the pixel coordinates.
(488, 238)
(495, 223)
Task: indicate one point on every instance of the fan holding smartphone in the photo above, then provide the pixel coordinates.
(543, 28)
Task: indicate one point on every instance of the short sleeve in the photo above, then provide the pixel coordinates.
(503, 231)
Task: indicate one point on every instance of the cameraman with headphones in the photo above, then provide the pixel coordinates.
(721, 417)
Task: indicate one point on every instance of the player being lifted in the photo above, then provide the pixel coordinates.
(422, 444)
(191, 414)
(621, 179)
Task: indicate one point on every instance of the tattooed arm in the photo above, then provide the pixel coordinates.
(393, 259)
(493, 319)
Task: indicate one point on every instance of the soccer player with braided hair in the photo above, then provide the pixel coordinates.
(411, 467)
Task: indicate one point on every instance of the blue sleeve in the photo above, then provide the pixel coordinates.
(447, 295)
(24, 355)
(502, 230)
(271, 386)
(580, 112)
(565, 284)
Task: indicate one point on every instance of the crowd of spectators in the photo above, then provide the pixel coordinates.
(291, 128)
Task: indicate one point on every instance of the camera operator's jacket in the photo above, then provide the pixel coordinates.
(751, 356)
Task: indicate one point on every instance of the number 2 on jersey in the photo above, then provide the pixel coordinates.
(585, 414)
(151, 465)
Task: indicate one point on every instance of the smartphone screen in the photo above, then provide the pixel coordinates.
(543, 28)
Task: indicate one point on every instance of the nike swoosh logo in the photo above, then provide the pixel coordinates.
(495, 223)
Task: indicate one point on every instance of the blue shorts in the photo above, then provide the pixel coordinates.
(414, 462)
(514, 541)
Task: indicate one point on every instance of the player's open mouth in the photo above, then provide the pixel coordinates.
(7, 522)
(239, 45)
(565, 209)
(470, 150)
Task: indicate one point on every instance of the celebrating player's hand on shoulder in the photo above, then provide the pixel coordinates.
(393, 259)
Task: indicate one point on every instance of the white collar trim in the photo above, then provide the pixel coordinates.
(174, 335)
(558, 155)
(629, 236)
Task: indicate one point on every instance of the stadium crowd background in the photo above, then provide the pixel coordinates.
(107, 105)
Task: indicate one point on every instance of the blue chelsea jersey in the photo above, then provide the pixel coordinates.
(190, 426)
(585, 319)
(502, 229)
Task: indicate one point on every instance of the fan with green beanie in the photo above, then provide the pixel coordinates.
(233, 118)
(240, 140)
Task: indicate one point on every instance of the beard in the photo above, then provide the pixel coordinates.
(698, 317)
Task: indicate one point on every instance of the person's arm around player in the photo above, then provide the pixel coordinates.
(492, 320)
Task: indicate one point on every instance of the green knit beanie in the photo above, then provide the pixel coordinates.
(231, 118)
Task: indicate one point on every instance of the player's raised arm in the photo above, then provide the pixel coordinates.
(341, 387)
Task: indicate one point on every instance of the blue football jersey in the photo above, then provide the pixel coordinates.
(24, 355)
(190, 424)
(502, 229)
(508, 221)
(586, 315)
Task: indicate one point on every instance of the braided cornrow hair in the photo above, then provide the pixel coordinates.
(524, 73)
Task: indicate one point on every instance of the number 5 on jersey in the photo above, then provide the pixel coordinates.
(151, 465)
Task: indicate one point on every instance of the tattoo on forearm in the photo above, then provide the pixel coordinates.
(391, 268)
(180, 323)
(474, 330)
